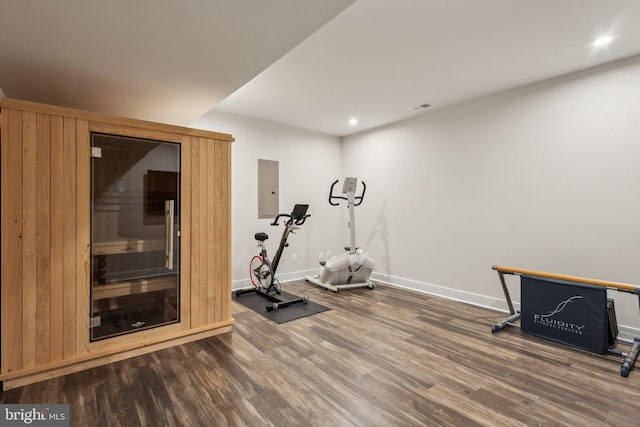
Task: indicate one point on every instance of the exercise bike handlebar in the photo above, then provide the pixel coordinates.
(358, 199)
(297, 217)
(291, 220)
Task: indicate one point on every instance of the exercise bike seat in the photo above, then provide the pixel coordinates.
(261, 236)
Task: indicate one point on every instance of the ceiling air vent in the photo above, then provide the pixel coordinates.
(420, 107)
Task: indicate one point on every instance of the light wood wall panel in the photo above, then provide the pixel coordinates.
(45, 241)
(211, 238)
(29, 236)
(83, 235)
(38, 251)
(70, 233)
(222, 247)
(12, 239)
(57, 239)
(185, 232)
(197, 232)
(212, 203)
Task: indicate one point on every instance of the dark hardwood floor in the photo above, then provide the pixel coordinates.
(382, 357)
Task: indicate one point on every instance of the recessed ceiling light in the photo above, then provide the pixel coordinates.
(604, 40)
(353, 122)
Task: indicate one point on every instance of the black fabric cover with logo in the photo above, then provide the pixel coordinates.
(567, 312)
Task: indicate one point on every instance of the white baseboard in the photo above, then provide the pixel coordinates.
(442, 291)
(282, 277)
(625, 333)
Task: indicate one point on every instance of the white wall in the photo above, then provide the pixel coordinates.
(542, 177)
(545, 177)
(308, 163)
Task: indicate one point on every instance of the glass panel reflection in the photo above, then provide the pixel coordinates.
(135, 234)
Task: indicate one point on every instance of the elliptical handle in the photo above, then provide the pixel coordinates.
(331, 196)
(360, 198)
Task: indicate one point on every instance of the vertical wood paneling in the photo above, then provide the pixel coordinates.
(70, 238)
(12, 332)
(212, 236)
(219, 196)
(195, 234)
(29, 238)
(46, 224)
(201, 308)
(185, 232)
(83, 216)
(57, 237)
(43, 238)
(225, 223)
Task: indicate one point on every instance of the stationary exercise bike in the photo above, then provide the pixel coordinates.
(262, 271)
(352, 268)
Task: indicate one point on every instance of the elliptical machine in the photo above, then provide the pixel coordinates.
(262, 270)
(352, 268)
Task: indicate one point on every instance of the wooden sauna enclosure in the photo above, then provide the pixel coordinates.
(115, 238)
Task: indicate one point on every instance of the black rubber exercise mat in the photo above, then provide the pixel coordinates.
(259, 304)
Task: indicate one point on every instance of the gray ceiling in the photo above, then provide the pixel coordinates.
(311, 64)
(163, 60)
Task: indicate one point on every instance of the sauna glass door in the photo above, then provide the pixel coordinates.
(135, 234)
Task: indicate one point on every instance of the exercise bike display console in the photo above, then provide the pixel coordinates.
(262, 270)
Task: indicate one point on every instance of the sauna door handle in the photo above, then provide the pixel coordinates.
(168, 233)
